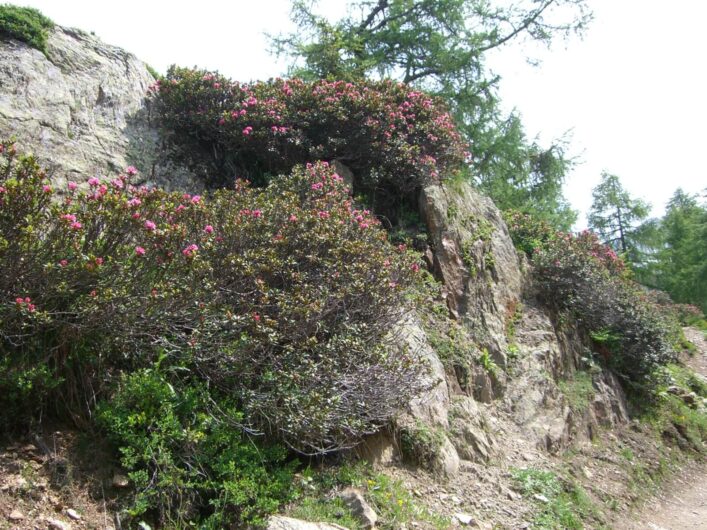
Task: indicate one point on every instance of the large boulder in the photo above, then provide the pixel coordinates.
(81, 109)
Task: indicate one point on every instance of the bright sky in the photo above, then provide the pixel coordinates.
(633, 91)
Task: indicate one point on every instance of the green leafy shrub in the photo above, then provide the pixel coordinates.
(390, 499)
(184, 462)
(420, 444)
(279, 297)
(391, 136)
(576, 273)
(25, 24)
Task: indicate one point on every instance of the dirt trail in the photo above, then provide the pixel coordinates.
(683, 502)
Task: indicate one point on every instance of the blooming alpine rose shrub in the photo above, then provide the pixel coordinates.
(303, 300)
(389, 134)
(577, 273)
(281, 297)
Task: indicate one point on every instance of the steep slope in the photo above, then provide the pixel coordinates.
(519, 384)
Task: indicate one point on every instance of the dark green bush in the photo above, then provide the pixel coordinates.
(25, 24)
(392, 137)
(576, 273)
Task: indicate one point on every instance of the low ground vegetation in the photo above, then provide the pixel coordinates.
(25, 24)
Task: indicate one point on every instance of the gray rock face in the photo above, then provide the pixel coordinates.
(81, 109)
(476, 259)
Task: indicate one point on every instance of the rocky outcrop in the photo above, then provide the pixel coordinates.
(475, 258)
(487, 292)
(81, 109)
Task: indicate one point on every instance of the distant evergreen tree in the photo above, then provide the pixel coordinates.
(616, 216)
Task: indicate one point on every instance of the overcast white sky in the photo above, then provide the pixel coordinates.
(633, 91)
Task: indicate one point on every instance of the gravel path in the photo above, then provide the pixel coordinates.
(683, 503)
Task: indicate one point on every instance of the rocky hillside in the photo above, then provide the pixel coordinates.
(512, 385)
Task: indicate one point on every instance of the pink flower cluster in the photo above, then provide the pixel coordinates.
(25, 303)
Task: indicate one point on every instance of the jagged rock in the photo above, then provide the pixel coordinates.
(81, 109)
(469, 432)
(609, 405)
(445, 462)
(432, 407)
(56, 524)
(476, 259)
(483, 386)
(359, 507)
(288, 523)
(16, 515)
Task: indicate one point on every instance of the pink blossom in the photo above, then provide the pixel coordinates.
(76, 225)
(415, 267)
(69, 217)
(217, 85)
(256, 317)
(317, 186)
(99, 261)
(19, 300)
(63, 263)
(134, 202)
(179, 208)
(149, 225)
(209, 229)
(136, 215)
(222, 121)
(257, 214)
(323, 215)
(93, 182)
(131, 170)
(195, 199)
(46, 189)
(247, 130)
(363, 226)
(139, 251)
(117, 184)
(293, 218)
(190, 250)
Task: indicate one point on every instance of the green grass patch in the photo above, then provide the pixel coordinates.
(669, 412)
(579, 390)
(389, 498)
(25, 24)
(559, 505)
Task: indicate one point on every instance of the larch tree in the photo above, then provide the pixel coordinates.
(441, 46)
(615, 215)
